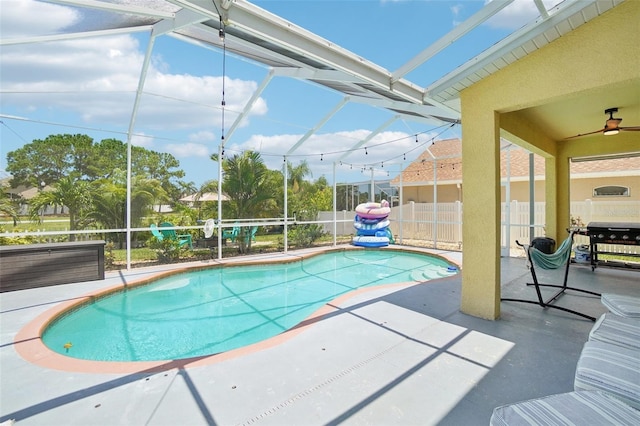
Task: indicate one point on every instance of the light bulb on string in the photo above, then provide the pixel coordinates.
(221, 30)
(365, 151)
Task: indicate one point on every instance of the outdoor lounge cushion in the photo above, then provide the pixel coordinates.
(610, 368)
(572, 408)
(611, 328)
(625, 306)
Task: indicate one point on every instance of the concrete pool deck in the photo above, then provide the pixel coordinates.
(393, 355)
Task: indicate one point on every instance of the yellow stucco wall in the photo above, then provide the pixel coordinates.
(570, 65)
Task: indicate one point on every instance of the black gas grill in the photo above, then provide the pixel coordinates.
(627, 234)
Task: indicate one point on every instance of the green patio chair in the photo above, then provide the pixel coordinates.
(231, 234)
(171, 234)
(251, 235)
(156, 233)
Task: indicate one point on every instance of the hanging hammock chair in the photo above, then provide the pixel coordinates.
(555, 260)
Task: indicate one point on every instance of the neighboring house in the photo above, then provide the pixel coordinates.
(24, 194)
(611, 179)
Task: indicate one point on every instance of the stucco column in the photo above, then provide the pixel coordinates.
(481, 211)
(551, 198)
(558, 197)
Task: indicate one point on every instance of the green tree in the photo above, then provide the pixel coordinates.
(110, 202)
(75, 194)
(57, 156)
(162, 167)
(249, 185)
(50, 159)
(8, 207)
(297, 174)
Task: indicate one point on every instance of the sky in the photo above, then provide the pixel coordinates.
(87, 86)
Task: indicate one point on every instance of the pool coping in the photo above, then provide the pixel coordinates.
(29, 345)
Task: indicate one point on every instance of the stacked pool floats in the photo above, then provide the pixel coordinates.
(372, 225)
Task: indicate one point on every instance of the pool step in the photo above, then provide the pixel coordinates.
(433, 272)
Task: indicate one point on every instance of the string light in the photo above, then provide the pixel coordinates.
(221, 30)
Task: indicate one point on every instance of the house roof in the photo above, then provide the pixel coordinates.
(446, 156)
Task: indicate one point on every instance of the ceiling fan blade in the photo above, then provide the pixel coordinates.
(630, 129)
(584, 134)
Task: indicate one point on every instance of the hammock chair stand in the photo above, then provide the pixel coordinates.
(563, 251)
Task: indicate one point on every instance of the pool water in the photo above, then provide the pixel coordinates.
(215, 310)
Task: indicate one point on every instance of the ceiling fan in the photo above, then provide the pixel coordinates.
(611, 126)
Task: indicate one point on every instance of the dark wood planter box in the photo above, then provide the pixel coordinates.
(40, 265)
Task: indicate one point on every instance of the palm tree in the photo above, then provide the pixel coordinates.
(69, 191)
(8, 207)
(248, 185)
(110, 198)
(297, 175)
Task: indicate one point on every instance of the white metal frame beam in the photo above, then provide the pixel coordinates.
(264, 25)
(117, 7)
(320, 123)
(429, 111)
(73, 36)
(478, 18)
(249, 105)
(559, 13)
(369, 137)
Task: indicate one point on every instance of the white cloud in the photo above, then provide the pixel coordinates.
(99, 80)
(321, 150)
(456, 9)
(203, 136)
(18, 18)
(95, 79)
(185, 150)
(142, 140)
(517, 14)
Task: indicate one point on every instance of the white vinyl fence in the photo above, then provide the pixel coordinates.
(441, 224)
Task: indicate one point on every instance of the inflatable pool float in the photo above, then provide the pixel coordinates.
(370, 241)
(370, 228)
(369, 221)
(373, 210)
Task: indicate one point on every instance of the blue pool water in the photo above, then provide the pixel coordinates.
(215, 310)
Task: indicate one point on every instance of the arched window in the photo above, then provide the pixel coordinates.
(611, 191)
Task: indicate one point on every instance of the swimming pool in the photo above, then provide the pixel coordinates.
(214, 310)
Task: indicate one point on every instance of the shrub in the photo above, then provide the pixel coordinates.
(305, 235)
(167, 250)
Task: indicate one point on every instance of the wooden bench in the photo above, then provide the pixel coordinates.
(40, 265)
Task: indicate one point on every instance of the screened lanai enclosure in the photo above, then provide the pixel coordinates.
(242, 127)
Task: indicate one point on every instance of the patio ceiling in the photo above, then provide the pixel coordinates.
(291, 51)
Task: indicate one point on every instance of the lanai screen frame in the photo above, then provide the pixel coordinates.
(359, 80)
